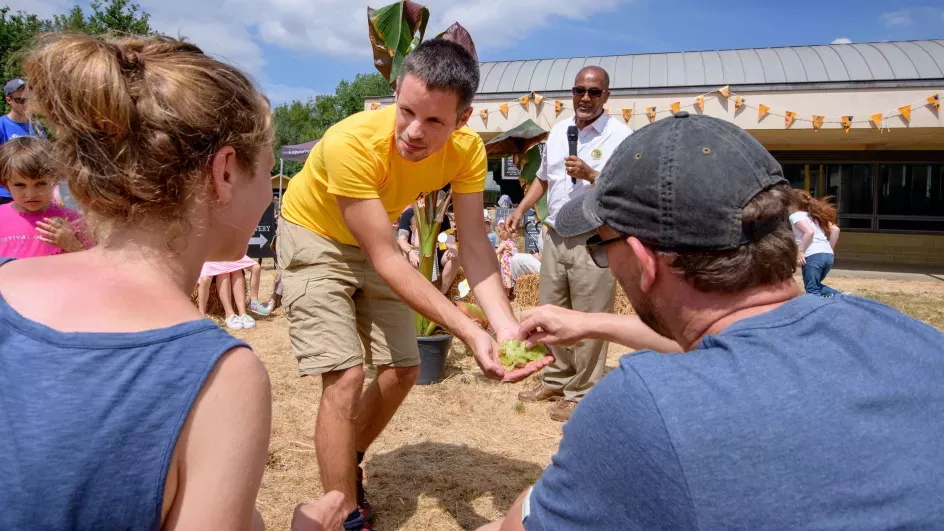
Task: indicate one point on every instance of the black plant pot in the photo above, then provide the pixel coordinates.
(433, 352)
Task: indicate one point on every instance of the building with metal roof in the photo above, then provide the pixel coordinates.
(879, 63)
(859, 122)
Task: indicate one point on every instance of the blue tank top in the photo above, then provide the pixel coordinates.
(89, 421)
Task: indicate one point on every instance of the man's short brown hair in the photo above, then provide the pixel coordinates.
(769, 260)
(25, 156)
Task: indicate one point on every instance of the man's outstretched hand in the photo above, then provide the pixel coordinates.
(551, 325)
(486, 354)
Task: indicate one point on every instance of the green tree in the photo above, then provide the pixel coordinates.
(117, 16)
(18, 29)
(298, 122)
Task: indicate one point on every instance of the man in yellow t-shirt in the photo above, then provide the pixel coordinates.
(347, 286)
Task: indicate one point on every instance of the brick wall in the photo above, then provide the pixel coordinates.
(910, 249)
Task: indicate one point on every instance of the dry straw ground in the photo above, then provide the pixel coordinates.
(457, 453)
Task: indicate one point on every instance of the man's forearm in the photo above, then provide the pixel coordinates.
(626, 330)
(423, 297)
(404, 245)
(535, 192)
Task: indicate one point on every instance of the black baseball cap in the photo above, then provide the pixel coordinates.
(13, 85)
(680, 184)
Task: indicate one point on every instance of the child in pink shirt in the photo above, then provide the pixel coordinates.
(33, 224)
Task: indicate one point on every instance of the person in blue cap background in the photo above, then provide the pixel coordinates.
(16, 123)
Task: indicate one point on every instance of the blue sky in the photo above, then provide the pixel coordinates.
(299, 48)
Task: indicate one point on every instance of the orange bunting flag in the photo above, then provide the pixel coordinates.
(606, 111)
(877, 119)
(538, 99)
(374, 105)
(627, 114)
(558, 107)
(818, 121)
(762, 111)
(905, 112)
(700, 103)
(788, 117)
(846, 123)
(725, 90)
(504, 109)
(738, 103)
(651, 113)
(484, 114)
(935, 101)
(524, 100)
(676, 106)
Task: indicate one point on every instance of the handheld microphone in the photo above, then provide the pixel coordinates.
(572, 142)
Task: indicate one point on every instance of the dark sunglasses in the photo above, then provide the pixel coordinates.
(21, 100)
(594, 92)
(596, 246)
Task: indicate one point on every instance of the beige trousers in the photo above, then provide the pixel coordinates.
(570, 279)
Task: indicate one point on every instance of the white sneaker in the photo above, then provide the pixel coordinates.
(248, 322)
(234, 322)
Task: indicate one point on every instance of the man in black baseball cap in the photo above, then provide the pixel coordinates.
(784, 410)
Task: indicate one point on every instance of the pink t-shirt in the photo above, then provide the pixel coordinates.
(18, 236)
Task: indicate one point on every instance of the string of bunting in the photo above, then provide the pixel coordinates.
(789, 117)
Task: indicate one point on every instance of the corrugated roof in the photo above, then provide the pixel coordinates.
(858, 62)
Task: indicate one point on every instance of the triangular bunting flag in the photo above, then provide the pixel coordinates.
(676, 106)
(846, 123)
(877, 119)
(762, 111)
(700, 103)
(558, 107)
(484, 114)
(788, 117)
(818, 121)
(525, 100)
(905, 112)
(606, 111)
(725, 90)
(651, 113)
(504, 109)
(738, 103)
(627, 114)
(374, 105)
(935, 101)
(538, 99)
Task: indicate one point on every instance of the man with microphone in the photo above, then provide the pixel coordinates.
(576, 151)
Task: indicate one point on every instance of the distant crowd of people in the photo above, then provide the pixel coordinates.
(749, 404)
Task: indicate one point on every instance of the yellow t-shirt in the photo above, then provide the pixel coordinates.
(358, 158)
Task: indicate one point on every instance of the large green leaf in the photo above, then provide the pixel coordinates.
(518, 140)
(457, 34)
(529, 172)
(393, 31)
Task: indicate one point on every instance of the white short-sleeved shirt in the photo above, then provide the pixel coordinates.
(820, 243)
(595, 144)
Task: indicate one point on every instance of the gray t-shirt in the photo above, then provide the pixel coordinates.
(821, 414)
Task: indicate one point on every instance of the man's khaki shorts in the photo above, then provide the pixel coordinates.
(338, 307)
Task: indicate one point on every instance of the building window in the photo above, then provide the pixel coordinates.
(849, 185)
(879, 196)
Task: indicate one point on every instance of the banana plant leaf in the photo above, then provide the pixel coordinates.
(529, 163)
(456, 33)
(517, 141)
(393, 31)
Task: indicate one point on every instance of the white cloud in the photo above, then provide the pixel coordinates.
(283, 93)
(841, 40)
(224, 37)
(339, 27)
(897, 18)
